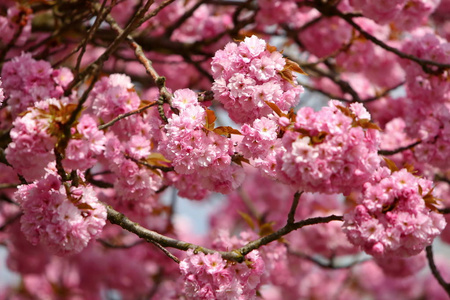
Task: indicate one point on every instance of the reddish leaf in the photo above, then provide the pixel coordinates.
(239, 159)
(210, 119)
(157, 160)
(275, 108)
(391, 165)
(294, 67)
(84, 206)
(226, 130)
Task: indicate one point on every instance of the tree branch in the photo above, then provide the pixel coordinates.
(392, 152)
(435, 271)
(291, 215)
(425, 63)
(237, 255)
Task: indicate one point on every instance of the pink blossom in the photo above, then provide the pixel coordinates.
(252, 78)
(63, 222)
(325, 153)
(392, 217)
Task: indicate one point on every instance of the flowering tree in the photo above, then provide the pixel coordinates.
(324, 123)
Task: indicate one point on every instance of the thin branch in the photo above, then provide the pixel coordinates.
(423, 62)
(99, 183)
(148, 65)
(21, 22)
(123, 116)
(384, 93)
(444, 210)
(442, 178)
(123, 246)
(237, 255)
(395, 151)
(98, 63)
(166, 252)
(435, 271)
(249, 204)
(284, 231)
(98, 21)
(325, 93)
(8, 185)
(291, 215)
(330, 264)
(170, 29)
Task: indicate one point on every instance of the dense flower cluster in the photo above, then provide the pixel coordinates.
(63, 219)
(209, 276)
(330, 151)
(405, 14)
(35, 134)
(431, 125)
(248, 75)
(194, 148)
(141, 110)
(401, 266)
(394, 215)
(26, 81)
(258, 138)
(32, 145)
(112, 96)
(426, 87)
(87, 143)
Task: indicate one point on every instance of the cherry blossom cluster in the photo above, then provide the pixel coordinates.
(133, 184)
(258, 138)
(401, 266)
(209, 276)
(405, 14)
(35, 134)
(113, 95)
(248, 75)
(32, 144)
(433, 86)
(330, 151)
(194, 148)
(27, 81)
(395, 215)
(63, 218)
(85, 146)
(431, 125)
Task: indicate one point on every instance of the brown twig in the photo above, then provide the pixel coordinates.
(329, 264)
(395, 151)
(291, 215)
(166, 252)
(237, 255)
(425, 63)
(123, 246)
(445, 285)
(123, 116)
